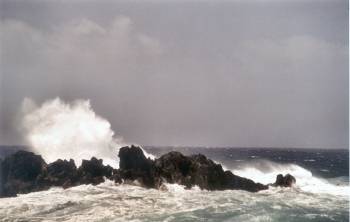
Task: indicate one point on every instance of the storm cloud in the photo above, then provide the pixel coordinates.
(230, 73)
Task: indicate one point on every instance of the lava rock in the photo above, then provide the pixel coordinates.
(19, 172)
(25, 172)
(207, 174)
(285, 181)
(235, 182)
(134, 165)
(174, 167)
(59, 173)
(201, 171)
(93, 172)
(133, 158)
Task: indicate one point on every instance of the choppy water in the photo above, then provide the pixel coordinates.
(316, 196)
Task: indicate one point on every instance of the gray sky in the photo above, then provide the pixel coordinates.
(209, 73)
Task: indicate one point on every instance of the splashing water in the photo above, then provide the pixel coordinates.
(69, 130)
(108, 202)
(265, 172)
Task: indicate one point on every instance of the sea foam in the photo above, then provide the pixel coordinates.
(265, 172)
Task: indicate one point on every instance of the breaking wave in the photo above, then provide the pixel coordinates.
(265, 172)
(110, 202)
(57, 129)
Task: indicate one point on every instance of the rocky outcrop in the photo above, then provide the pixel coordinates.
(19, 172)
(203, 172)
(284, 181)
(174, 167)
(133, 165)
(59, 173)
(25, 172)
(93, 172)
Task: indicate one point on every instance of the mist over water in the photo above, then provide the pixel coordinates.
(58, 129)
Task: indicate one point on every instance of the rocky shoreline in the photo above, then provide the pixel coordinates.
(25, 172)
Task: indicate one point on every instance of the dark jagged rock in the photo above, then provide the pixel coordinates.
(93, 171)
(207, 174)
(285, 181)
(25, 172)
(198, 170)
(59, 173)
(235, 182)
(19, 172)
(133, 158)
(174, 168)
(134, 165)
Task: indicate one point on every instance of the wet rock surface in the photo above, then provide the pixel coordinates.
(133, 165)
(93, 172)
(203, 172)
(59, 173)
(25, 172)
(285, 181)
(19, 172)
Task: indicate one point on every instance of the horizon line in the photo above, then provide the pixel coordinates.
(208, 147)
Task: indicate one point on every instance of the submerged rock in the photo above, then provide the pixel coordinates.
(285, 181)
(116, 177)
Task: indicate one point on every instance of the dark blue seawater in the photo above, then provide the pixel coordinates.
(326, 163)
(321, 192)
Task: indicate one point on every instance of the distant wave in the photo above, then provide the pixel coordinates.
(265, 172)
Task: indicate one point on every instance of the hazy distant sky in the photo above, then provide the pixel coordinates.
(213, 73)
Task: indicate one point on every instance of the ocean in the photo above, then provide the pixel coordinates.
(321, 192)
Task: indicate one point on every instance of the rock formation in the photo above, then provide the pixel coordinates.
(198, 170)
(25, 172)
(284, 181)
(133, 165)
(19, 172)
(59, 173)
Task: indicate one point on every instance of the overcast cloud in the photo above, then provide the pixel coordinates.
(233, 73)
